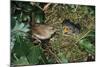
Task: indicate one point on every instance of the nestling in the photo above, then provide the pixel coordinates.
(42, 31)
(70, 27)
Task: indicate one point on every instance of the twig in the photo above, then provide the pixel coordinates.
(46, 6)
(58, 60)
(32, 3)
(83, 36)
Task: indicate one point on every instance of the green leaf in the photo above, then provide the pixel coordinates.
(91, 34)
(20, 29)
(34, 55)
(20, 46)
(26, 52)
(20, 61)
(19, 51)
(87, 46)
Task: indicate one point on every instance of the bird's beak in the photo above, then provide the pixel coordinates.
(65, 30)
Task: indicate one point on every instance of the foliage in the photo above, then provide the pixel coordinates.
(23, 51)
(87, 43)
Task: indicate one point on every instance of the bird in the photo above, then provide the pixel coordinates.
(42, 31)
(70, 28)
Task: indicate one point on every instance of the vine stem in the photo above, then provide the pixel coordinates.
(58, 60)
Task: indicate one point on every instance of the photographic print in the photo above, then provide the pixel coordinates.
(51, 33)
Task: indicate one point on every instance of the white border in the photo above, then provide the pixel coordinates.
(85, 2)
(5, 33)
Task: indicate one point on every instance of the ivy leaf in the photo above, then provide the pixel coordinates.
(20, 29)
(25, 52)
(20, 61)
(20, 51)
(34, 55)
